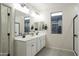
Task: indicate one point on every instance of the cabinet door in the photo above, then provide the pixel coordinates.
(19, 48)
(43, 41)
(37, 44)
(28, 48)
(40, 38)
(33, 47)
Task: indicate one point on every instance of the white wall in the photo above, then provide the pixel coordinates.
(64, 40)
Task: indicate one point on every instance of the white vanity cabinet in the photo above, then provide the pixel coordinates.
(29, 46)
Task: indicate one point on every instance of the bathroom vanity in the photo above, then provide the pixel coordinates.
(30, 45)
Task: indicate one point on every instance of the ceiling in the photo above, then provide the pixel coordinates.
(44, 6)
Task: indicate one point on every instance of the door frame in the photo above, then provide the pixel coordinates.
(73, 33)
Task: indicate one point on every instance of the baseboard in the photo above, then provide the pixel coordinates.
(3, 54)
(60, 49)
(74, 53)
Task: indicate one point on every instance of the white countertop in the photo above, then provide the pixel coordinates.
(28, 37)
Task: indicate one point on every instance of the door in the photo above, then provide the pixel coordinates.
(76, 34)
(5, 29)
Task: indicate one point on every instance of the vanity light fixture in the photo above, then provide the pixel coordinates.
(56, 14)
(21, 7)
(27, 18)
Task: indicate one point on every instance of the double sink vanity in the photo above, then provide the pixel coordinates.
(30, 45)
(34, 41)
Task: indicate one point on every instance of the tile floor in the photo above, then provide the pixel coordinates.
(54, 52)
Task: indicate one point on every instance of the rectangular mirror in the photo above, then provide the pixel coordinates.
(24, 22)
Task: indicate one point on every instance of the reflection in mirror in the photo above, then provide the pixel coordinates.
(17, 29)
(39, 26)
(27, 24)
(23, 20)
(36, 26)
